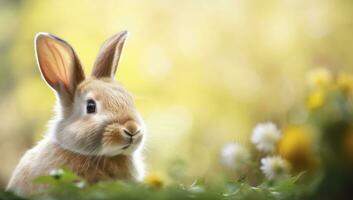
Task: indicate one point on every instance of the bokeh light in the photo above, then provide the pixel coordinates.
(203, 73)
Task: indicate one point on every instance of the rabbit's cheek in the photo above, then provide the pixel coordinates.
(113, 140)
(138, 140)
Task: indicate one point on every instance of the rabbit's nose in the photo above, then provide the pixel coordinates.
(131, 128)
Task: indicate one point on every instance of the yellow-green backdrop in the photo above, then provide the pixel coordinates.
(203, 72)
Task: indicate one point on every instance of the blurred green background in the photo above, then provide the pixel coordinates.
(202, 72)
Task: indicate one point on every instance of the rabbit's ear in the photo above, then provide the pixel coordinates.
(109, 56)
(58, 63)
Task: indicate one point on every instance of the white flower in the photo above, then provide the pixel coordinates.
(56, 173)
(80, 184)
(275, 167)
(265, 136)
(235, 156)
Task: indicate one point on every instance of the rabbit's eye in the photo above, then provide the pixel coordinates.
(91, 106)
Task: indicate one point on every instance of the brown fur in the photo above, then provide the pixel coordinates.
(59, 65)
(109, 56)
(91, 168)
(96, 146)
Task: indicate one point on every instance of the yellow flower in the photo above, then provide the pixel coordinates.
(296, 146)
(319, 77)
(316, 99)
(345, 82)
(153, 179)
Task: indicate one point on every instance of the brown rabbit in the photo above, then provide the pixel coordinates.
(97, 132)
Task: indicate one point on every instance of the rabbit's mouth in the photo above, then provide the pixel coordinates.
(131, 141)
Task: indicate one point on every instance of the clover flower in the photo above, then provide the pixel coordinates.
(319, 77)
(345, 82)
(235, 156)
(275, 167)
(297, 147)
(154, 180)
(316, 99)
(265, 136)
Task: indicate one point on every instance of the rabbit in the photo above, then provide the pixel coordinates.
(97, 132)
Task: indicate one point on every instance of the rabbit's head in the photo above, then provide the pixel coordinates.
(96, 115)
